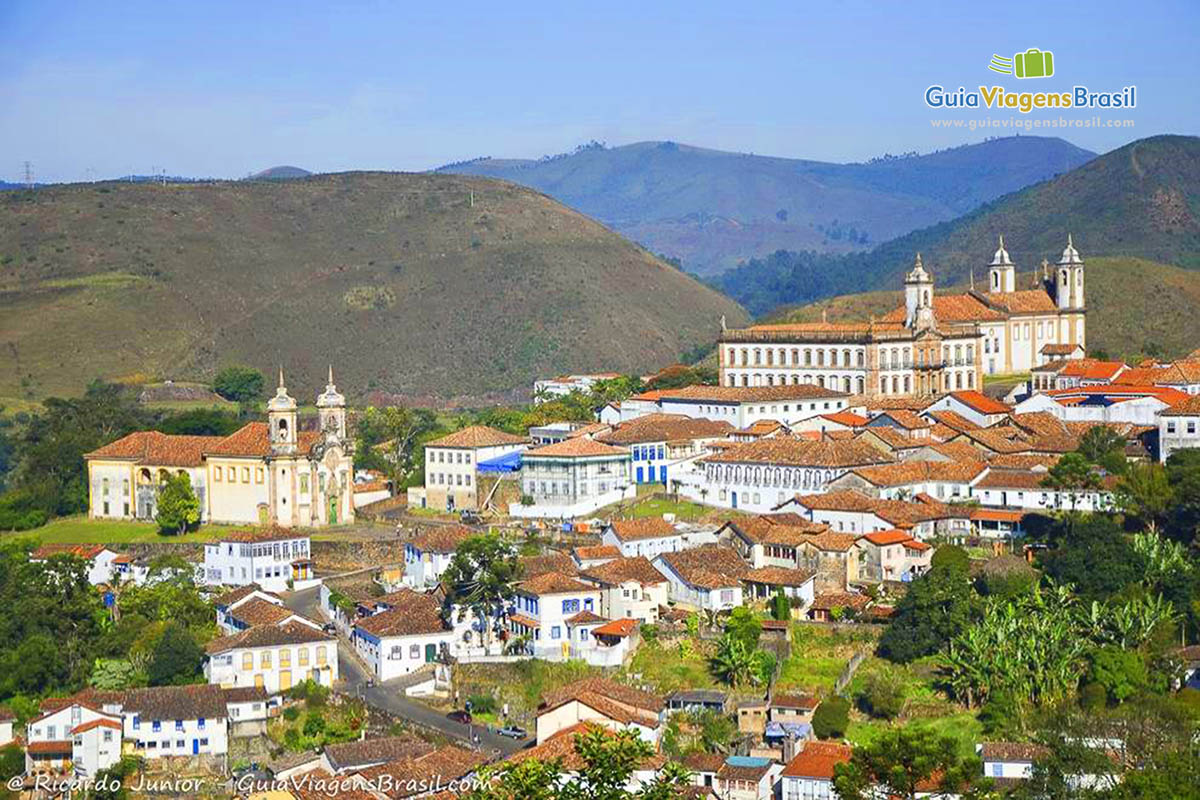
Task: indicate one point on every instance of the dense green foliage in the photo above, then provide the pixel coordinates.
(831, 718)
(936, 608)
(480, 578)
(904, 761)
(178, 507)
(240, 384)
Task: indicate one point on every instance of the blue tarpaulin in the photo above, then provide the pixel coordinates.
(509, 462)
(796, 730)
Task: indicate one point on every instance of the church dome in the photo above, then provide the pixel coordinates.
(1069, 254)
(1001, 259)
(918, 273)
(282, 401)
(330, 398)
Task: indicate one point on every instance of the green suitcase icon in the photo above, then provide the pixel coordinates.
(1034, 63)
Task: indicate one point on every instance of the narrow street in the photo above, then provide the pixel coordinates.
(354, 678)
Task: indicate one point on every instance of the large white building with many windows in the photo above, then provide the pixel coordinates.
(932, 344)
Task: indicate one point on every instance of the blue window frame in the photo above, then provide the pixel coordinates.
(200, 723)
(587, 604)
(178, 724)
(556, 632)
(156, 726)
(583, 633)
(570, 606)
(137, 722)
(660, 451)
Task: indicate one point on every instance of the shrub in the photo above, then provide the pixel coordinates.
(483, 703)
(1093, 697)
(883, 696)
(314, 726)
(291, 713)
(831, 718)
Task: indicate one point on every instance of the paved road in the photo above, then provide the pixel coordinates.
(390, 698)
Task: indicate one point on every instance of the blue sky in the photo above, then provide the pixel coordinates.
(221, 89)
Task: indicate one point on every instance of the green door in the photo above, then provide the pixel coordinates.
(333, 511)
(430, 653)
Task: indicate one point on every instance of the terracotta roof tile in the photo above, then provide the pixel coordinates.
(805, 701)
(885, 538)
(157, 449)
(980, 402)
(847, 418)
(579, 447)
(828, 601)
(909, 472)
(1189, 407)
(952, 419)
(664, 428)
(477, 436)
(442, 538)
(632, 530)
(349, 755)
(1012, 751)
(618, 627)
(778, 576)
(533, 566)
(596, 552)
(708, 567)
(585, 618)
(419, 614)
(817, 760)
(618, 692)
(257, 611)
(623, 570)
(1023, 301)
(253, 440)
(273, 533)
(790, 451)
(553, 583)
(85, 551)
(269, 636)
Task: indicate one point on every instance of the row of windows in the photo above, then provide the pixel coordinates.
(449, 457)
(220, 474)
(124, 487)
(844, 384)
(1190, 426)
(818, 357)
(792, 477)
(180, 744)
(553, 487)
(648, 452)
(156, 725)
(444, 479)
(285, 658)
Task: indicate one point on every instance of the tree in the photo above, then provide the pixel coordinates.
(178, 506)
(479, 580)
(883, 695)
(113, 674)
(936, 608)
(1122, 673)
(177, 658)
(201, 422)
(1094, 555)
(781, 608)
(1183, 474)
(899, 760)
(1104, 447)
(239, 383)
(1072, 474)
(1144, 492)
(735, 663)
(831, 718)
(744, 626)
(393, 435)
(608, 762)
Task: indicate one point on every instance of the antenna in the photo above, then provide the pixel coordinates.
(28, 175)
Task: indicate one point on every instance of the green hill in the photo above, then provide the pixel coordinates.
(1140, 201)
(715, 209)
(1135, 307)
(438, 286)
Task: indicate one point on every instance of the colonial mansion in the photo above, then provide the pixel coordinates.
(264, 473)
(932, 344)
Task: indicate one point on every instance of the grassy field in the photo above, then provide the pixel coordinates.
(964, 728)
(520, 684)
(671, 667)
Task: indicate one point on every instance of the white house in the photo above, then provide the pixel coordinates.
(809, 775)
(543, 605)
(602, 702)
(1023, 489)
(100, 560)
(705, 578)
(973, 405)
(274, 657)
(798, 585)
(944, 480)
(175, 721)
(573, 478)
(742, 406)
(759, 475)
(632, 588)
(274, 558)
(237, 598)
(892, 556)
(1104, 404)
(1179, 427)
(428, 554)
(451, 465)
(661, 445)
(403, 638)
(1009, 760)
(7, 718)
(646, 536)
(79, 737)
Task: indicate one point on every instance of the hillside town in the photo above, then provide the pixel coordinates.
(747, 587)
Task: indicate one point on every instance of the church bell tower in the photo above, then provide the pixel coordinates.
(282, 419)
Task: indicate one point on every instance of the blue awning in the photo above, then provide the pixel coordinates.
(509, 462)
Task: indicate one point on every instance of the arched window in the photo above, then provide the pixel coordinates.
(907, 385)
(821, 381)
(862, 358)
(846, 385)
(862, 385)
(895, 384)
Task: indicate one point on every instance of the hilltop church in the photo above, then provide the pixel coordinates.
(265, 473)
(932, 344)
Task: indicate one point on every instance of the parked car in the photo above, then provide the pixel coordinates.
(460, 716)
(513, 732)
(468, 517)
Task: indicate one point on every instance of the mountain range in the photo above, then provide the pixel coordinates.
(440, 287)
(1139, 201)
(712, 209)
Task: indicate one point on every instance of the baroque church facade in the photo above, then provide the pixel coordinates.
(264, 473)
(930, 345)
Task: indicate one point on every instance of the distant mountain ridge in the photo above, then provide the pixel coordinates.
(459, 289)
(1141, 201)
(714, 209)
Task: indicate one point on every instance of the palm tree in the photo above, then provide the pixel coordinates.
(734, 663)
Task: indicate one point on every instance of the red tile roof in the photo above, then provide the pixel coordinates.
(618, 627)
(157, 449)
(554, 583)
(596, 552)
(253, 440)
(623, 570)
(751, 394)
(1188, 407)
(477, 436)
(981, 402)
(273, 533)
(442, 538)
(708, 567)
(85, 551)
(790, 451)
(578, 447)
(885, 538)
(779, 576)
(632, 530)
(664, 428)
(847, 418)
(817, 760)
